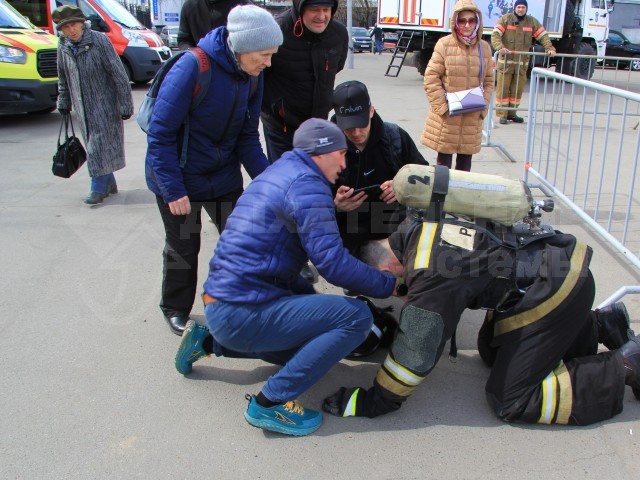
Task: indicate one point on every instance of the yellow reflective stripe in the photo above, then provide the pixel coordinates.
(565, 405)
(524, 319)
(350, 409)
(401, 372)
(425, 244)
(548, 406)
(393, 385)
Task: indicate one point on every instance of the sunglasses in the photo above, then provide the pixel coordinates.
(468, 21)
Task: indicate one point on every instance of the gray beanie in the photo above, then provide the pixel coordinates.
(252, 29)
(316, 136)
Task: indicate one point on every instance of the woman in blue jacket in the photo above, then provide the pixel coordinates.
(223, 134)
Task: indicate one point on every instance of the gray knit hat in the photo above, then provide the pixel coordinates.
(316, 136)
(252, 29)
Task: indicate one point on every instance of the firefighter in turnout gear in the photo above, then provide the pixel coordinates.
(540, 336)
(515, 32)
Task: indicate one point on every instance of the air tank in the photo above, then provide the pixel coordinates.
(476, 195)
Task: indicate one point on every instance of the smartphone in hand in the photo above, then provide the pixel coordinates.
(367, 189)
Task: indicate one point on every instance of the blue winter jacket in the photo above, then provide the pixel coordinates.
(285, 216)
(223, 129)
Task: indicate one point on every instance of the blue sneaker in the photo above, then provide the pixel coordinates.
(289, 418)
(190, 349)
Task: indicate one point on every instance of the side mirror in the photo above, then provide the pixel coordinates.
(98, 24)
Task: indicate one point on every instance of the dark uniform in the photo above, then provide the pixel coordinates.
(540, 335)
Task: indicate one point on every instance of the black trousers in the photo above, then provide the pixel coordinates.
(552, 375)
(182, 245)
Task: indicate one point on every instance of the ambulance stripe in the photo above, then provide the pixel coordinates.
(548, 407)
(425, 244)
(15, 43)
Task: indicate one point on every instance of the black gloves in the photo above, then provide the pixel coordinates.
(126, 117)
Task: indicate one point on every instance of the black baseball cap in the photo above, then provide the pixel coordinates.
(351, 104)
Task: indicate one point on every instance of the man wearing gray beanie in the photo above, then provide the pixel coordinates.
(257, 305)
(204, 171)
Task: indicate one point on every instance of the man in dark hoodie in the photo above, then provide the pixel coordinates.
(299, 84)
(199, 17)
(366, 205)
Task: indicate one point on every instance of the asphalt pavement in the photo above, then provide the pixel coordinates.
(88, 387)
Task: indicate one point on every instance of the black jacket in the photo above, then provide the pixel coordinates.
(199, 17)
(299, 83)
(388, 149)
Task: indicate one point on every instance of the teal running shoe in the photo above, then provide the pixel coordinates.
(289, 418)
(190, 349)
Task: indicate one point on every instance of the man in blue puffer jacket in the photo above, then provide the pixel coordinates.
(223, 134)
(256, 303)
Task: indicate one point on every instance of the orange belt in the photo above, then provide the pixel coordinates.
(207, 299)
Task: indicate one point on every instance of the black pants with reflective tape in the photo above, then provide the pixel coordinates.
(553, 374)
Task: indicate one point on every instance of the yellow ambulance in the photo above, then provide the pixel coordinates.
(28, 65)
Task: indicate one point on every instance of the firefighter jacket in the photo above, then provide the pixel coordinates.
(517, 35)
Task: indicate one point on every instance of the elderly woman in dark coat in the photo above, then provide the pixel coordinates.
(94, 85)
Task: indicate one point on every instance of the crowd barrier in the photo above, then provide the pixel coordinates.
(582, 147)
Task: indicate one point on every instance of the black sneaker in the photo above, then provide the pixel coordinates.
(309, 274)
(515, 119)
(613, 326)
(631, 355)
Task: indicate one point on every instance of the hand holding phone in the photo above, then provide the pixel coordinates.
(366, 189)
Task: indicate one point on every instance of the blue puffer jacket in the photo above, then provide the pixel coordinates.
(285, 216)
(223, 129)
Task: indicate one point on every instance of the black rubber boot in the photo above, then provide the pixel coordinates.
(631, 354)
(613, 326)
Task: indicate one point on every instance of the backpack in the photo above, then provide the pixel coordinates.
(392, 137)
(199, 91)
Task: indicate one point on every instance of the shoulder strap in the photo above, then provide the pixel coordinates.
(481, 65)
(199, 92)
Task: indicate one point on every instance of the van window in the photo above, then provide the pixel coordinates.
(119, 14)
(34, 10)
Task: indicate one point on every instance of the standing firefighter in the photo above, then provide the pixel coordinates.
(514, 32)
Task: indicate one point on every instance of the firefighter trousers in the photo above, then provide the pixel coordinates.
(552, 374)
(509, 88)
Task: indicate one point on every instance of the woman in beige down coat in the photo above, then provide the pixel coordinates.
(455, 66)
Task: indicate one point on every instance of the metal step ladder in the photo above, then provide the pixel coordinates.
(399, 53)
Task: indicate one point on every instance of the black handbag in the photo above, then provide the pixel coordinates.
(70, 155)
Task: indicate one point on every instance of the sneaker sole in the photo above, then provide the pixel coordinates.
(272, 426)
(191, 325)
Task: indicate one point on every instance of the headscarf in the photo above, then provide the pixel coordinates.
(470, 38)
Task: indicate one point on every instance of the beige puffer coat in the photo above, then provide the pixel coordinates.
(455, 66)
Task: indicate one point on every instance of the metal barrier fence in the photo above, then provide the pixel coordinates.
(618, 72)
(582, 145)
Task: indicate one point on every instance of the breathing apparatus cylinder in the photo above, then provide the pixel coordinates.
(475, 195)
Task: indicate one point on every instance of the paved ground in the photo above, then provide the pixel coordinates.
(87, 383)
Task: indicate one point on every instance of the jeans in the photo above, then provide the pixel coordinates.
(379, 46)
(102, 183)
(278, 142)
(307, 334)
(463, 161)
(182, 245)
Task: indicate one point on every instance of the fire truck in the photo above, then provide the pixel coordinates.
(575, 27)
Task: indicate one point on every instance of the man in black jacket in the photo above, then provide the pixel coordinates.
(366, 205)
(199, 17)
(299, 83)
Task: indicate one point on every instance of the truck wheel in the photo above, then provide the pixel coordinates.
(635, 64)
(423, 60)
(585, 66)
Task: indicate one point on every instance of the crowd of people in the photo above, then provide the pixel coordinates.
(327, 191)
